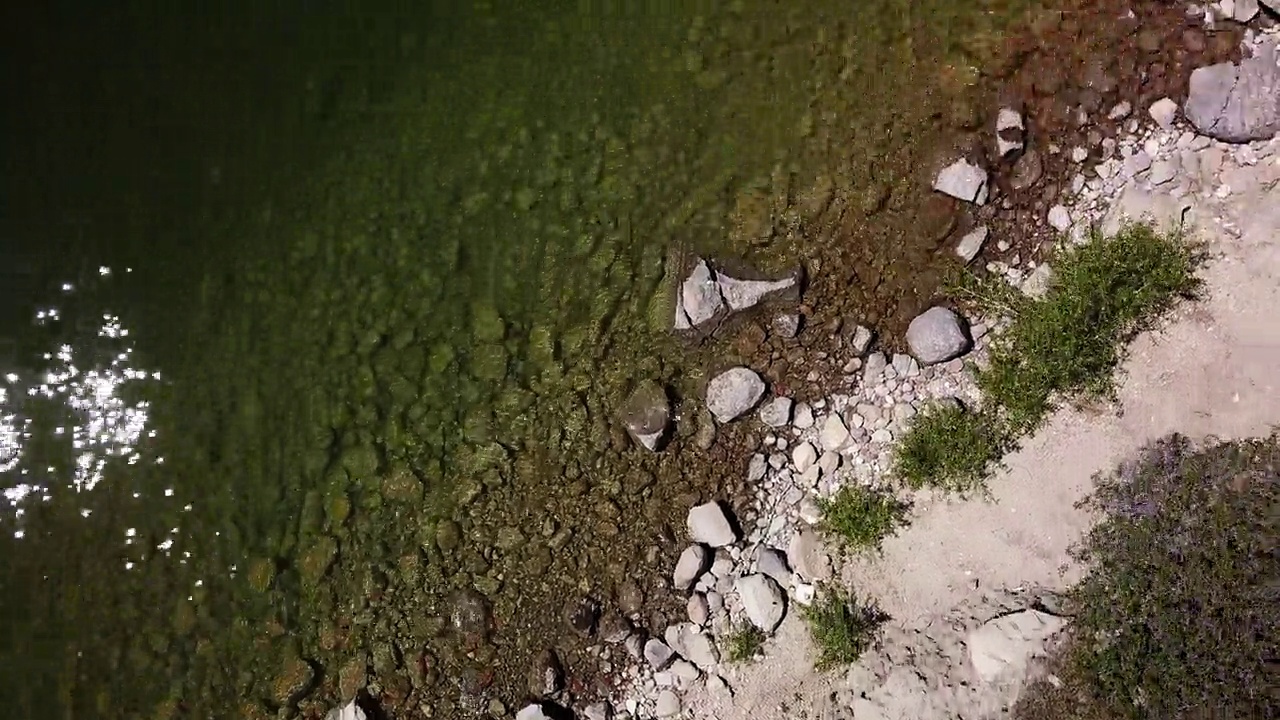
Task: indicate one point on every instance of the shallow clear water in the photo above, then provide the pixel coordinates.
(344, 302)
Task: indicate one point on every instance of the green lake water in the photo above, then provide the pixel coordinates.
(317, 316)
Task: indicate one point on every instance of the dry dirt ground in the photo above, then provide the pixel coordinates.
(1212, 369)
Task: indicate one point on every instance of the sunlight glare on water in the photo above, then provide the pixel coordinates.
(98, 418)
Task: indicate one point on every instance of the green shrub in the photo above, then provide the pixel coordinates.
(842, 627)
(1065, 344)
(947, 447)
(861, 517)
(1178, 613)
(1071, 340)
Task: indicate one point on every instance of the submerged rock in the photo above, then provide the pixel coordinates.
(937, 335)
(733, 393)
(1237, 103)
(647, 415)
(546, 677)
(350, 711)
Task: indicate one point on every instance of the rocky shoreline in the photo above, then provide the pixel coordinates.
(1132, 156)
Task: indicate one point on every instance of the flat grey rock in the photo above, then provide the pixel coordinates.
(708, 524)
(1237, 103)
(773, 562)
(743, 294)
(971, 244)
(937, 335)
(658, 654)
(776, 412)
(1001, 648)
(763, 601)
(667, 705)
(733, 393)
(700, 298)
(964, 181)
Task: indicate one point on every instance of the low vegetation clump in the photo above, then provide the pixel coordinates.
(861, 517)
(744, 643)
(842, 627)
(1064, 345)
(1176, 616)
(948, 447)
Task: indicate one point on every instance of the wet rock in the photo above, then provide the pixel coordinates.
(1009, 132)
(705, 436)
(744, 294)
(776, 412)
(316, 560)
(667, 704)
(699, 298)
(532, 712)
(1027, 171)
(350, 711)
(470, 614)
(1001, 648)
(786, 325)
(546, 676)
(964, 181)
(708, 524)
(937, 335)
(860, 340)
(613, 627)
(763, 601)
(773, 562)
(1163, 111)
(971, 244)
(689, 567)
(647, 415)
(296, 678)
(658, 654)
(1237, 103)
(583, 615)
(734, 392)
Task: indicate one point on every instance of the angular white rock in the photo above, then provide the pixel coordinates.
(708, 524)
(776, 412)
(834, 435)
(964, 181)
(734, 392)
(803, 457)
(694, 561)
(971, 244)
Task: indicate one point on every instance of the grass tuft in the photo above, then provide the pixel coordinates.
(744, 643)
(1072, 340)
(1176, 615)
(842, 627)
(861, 517)
(1066, 344)
(947, 447)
